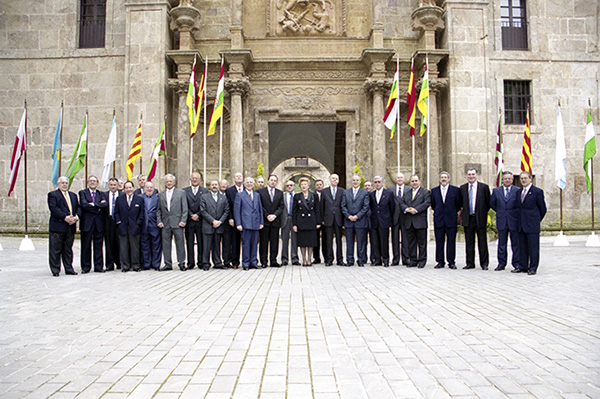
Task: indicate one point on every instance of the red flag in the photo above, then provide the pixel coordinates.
(526, 154)
(17, 152)
(411, 99)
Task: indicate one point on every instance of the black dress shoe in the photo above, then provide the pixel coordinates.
(531, 272)
(422, 265)
(191, 267)
(440, 265)
(109, 269)
(499, 268)
(182, 268)
(124, 270)
(264, 266)
(452, 266)
(395, 263)
(137, 270)
(55, 274)
(411, 265)
(165, 268)
(245, 268)
(348, 264)
(71, 273)
(386, 265)
(296, 263)
(484, 268)
(275, 264)
(340, 264)
(85, 271)
(284, 263)
(205, 268)
(517, 271)
(360, 264)
(468, 267)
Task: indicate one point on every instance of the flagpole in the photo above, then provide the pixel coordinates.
(191, 154)
(25, 161)
(60, 135)
(398, 113)
(165, 139)
(428, 127)
(592, 186)
(204, 119)
(115, 161)
(220, 147)
(141, 169)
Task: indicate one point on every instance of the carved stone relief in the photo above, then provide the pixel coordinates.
(306, 91)
(306, 18)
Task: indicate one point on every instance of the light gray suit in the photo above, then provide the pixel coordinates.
(212, 210)
(170, 216)
(287, 230)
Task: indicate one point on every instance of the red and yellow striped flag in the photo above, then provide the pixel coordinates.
(526, 155)
(135, 153)
(411, 99)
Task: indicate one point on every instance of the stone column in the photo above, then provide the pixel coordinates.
(178, 141)
(427, 19)
(237, 88)
(377, 88)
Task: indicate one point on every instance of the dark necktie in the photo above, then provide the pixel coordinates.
(93, 196)
(505, 193)
(112, 208)
(290, 205)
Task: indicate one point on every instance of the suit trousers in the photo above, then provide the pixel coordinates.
(225, 242)
(168, 233)
(361, 244)
(529, 248)
(249, 247)
(91, 240)
(269, 244)
(193, 232)
(321, 246)
(130, 251)
(330, 231)
(470, 231)
(60, 247)
(287, 234)
(236, 240)
(210, 246)
(417, 245)
(151, 244)
(503, 248)
(111, 245)
(445, 236)
(380, 245)
(399, 248)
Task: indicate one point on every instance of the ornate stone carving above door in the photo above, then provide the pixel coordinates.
(307, 18)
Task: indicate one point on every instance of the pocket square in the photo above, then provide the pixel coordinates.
(137, 205)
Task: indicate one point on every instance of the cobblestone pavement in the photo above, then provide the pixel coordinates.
(298, 332)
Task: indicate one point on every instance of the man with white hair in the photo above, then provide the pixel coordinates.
(248, 216)
(171, 216)
(236, 238)
(64, 214)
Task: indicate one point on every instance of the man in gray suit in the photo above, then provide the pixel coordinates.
(287, 232)
(414, 206)
(214, 209)
(171, 216)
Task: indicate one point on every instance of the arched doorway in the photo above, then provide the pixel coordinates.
(298, 167)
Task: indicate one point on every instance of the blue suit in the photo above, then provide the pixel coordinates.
(356, 206)
(445, 222)
(507, 209)
(248, 213)
(531, 212)
(382, 218)
(150, 238)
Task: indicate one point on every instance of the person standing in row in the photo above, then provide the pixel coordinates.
(504, 202)
(236, 238)
(382, 205)
(446, 203)
(93, 203)
(333, 220)
(64, 214)
(129, 216)
(399, 250)
(306, 219)
(150, 239)
(355, 208)
(287, 232)
(111, 238)
(214, 209)
(475, 197)
(171, 217)
(414, 205)
(321, 242)
(248, 215)
(193, 226)
(271, 199)
(228, 230)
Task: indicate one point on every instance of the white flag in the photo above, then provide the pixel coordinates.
(110, 154)
(560, 172)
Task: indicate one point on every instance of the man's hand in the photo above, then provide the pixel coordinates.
(182, 224)
(270, 218)
(231, 223)
(353, 218)
(160, 225)
(195, 217)
(240, 228)
(260, 227)
(295, 229)
(216, 223)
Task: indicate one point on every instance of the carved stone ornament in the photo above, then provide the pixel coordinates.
(185, 17)
(306, 102)
(237, 86)
(428, 18)
(380, 86)
(307, 17)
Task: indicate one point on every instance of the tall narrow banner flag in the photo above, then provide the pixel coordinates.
(79, 154)
(391, 110)
(110, 153)
(499, 160)
(192, 101)
(135, 153)
(526, 153)
(423, 103)
(159, 149)
(56, 150)
(218, 104)
(589, 150)
(411, 99)
(18, 149)
(560, 170)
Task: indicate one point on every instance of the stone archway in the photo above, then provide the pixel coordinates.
(291, 169)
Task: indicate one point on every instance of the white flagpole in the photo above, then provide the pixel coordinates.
(413, 151)
(204, 100)
(428, 124)
(220, 146)
(398, 113)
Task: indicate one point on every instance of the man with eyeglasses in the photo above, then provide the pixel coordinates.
(287, 233)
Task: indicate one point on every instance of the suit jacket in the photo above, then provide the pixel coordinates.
(150, 210)
(59, 210)
(331, 210)
(358, 206)
(482, 204)
(274, 207)
(398, 215)
(92, 216)
(231, 193)
(107, 194)
(506, 209)
(445, 214)
(285, 215)
(306, 213)
(382, 213)
(193, 203)
(248, 212)
(214, 210)
(129, 218)
(179, 209)
(421, 202)
(139, 191)
(532, 210)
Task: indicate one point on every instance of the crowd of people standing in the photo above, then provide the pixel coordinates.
(225, 226)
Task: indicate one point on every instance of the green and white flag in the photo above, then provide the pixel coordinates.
(589, 150)
(79, 155)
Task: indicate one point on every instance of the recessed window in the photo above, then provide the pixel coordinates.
(516, 100)
(514, 25)
(92, 23)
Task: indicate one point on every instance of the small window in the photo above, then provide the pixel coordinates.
(514, 25)
(92, 23)
(516, 100)
(301, 161)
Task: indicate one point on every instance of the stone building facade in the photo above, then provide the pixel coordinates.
(306, 86)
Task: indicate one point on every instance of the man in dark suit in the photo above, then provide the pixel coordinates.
(399, 249)
(321, 241)
(414, 206)
(129, 216)
(172, 215)
(193, 227)
(150, 238)
(504, 202)
(248, 215)
(214, 209)
(236, 238)
(446, 203)
(111, 234)
(228, 230)
(272, 203)
(64, 214)
(289, 252)
(382, 206)
(355, 208)
(333, 220)
(475, 197)
(93, 203)
(532, 209)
